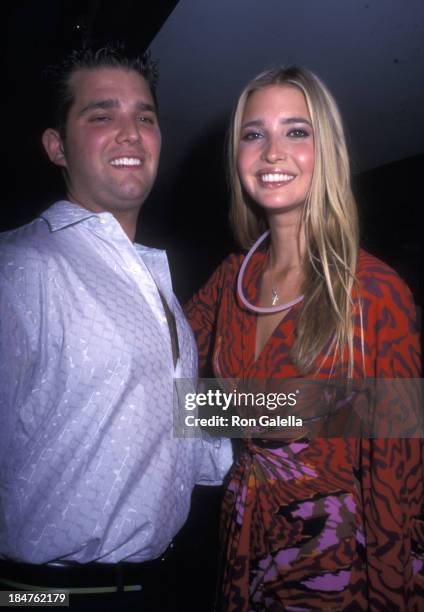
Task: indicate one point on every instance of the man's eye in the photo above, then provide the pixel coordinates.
(99, 119)
(298, 133)
(146, 119)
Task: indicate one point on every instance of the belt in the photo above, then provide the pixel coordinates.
(82, 579)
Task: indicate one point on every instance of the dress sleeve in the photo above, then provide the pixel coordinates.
(392, 469)
(202, 313)
(203, 308)
(398, 353)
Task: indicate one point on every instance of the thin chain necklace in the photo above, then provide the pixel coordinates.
(275, 297)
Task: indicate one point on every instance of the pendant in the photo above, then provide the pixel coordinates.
(240, 292)
(275, 297)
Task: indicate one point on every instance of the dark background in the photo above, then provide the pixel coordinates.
(187, 210)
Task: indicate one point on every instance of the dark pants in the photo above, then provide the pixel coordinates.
(155, 584)
(185, 582)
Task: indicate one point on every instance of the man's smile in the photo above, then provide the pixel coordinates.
(126, 162)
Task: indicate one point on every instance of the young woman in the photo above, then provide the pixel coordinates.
(313, 523)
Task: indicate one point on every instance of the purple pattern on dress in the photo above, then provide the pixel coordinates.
(286, 556)
(305, 510)
(329, 582)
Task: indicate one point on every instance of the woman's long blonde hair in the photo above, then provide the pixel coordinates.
(330, 223)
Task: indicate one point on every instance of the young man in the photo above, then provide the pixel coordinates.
(91, 338)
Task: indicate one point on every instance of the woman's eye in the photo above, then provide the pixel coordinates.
(298, 133)
(251, 136)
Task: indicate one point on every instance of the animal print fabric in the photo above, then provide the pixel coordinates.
(317, 524)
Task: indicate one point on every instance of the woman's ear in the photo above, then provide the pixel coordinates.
(53, 145)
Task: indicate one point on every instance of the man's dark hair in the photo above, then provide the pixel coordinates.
(91, 57)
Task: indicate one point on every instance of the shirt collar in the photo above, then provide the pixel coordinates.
(63, 214)
(156, 261)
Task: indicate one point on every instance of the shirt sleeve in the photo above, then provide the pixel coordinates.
(215, 460)
(392, 469)
(17, 361)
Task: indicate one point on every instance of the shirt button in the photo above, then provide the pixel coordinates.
(181, 488)
(103, 221)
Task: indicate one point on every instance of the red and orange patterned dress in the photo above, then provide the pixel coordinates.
(318, 524)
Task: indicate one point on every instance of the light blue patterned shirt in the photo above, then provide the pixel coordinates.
(89, 467)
